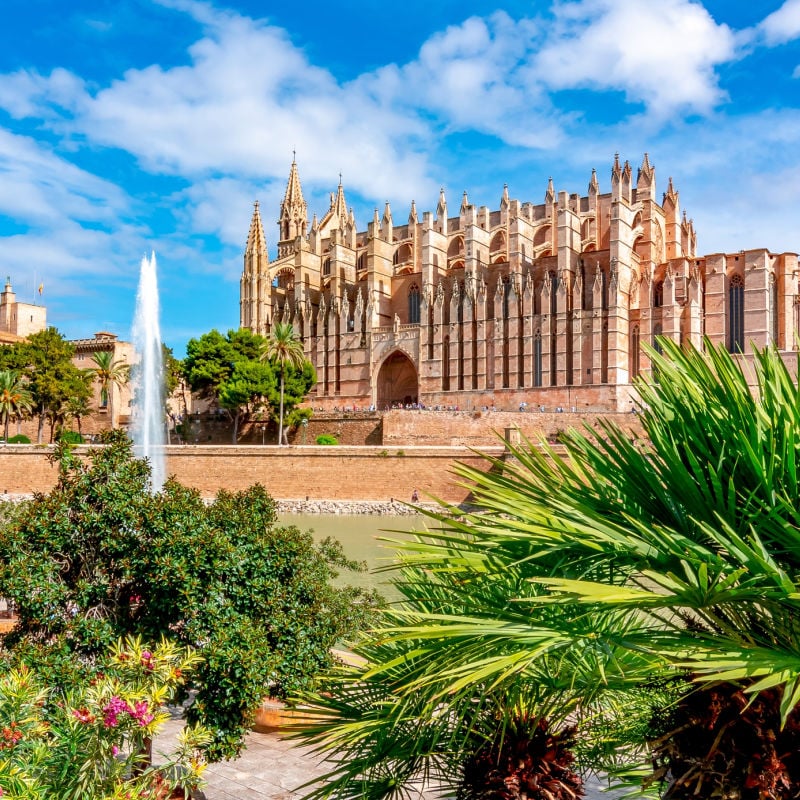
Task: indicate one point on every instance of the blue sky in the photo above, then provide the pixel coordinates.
(131, 125)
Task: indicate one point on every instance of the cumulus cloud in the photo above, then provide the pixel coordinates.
(40, 187)
(248, 96)
(661, 55)
(245, 100)
(782, 25)
(473, 76)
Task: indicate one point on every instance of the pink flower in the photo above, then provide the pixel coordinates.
(142, 714)
(114, 750)
(147, 659)
(112, 710)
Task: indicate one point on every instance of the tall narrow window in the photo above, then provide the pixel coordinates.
(553, 293)
(506, 293)
(537, 359)
(657, 331)
(773, 309)
(634, 351)
(446, 364)
(736, 315)
(658, 295)
(413, 305)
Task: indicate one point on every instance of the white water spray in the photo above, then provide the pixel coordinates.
(148, 393)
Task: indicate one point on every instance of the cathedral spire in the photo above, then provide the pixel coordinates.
(256, 240)
(616, 170)
(339, 206)
(412, 215)
(294, 191)
(294, 213)
(464, 202)
(550, 194)
(441, 212)
(505, 201)
(594, 187)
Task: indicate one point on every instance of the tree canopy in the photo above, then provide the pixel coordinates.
(232, 371)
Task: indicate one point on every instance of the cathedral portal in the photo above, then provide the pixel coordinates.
(397, 381)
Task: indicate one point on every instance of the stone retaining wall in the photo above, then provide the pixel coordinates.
(295, 473)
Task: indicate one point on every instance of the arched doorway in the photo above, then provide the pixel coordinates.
(397, 381)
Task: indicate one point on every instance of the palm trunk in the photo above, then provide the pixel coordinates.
(40, 431)
(280, 416)
(111, 406)
(6, 429)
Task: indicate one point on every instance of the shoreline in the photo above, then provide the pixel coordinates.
(386, 508)
(393, 508)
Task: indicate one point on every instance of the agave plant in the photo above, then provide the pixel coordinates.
(585, 577)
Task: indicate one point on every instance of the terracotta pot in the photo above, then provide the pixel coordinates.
(272, 715)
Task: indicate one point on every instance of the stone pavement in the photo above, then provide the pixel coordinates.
(272, 767)
(269, 768)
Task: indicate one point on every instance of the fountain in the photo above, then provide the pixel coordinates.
(148, 390)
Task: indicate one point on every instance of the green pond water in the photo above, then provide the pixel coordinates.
(360, 536)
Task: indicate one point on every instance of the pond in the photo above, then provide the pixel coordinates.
(360, 536)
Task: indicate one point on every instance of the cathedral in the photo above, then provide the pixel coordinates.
(545, 304)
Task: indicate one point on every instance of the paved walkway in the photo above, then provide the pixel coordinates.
(271, 768)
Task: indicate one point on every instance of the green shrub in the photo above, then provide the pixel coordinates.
(20, 438)
(255, 597)
(327, 438)
(70, 437)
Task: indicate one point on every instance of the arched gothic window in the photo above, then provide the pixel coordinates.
(553, 293)
(413, 304)
(537, 359)
(506, 294)
(736, 314)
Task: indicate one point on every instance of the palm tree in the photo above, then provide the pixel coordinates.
(285, 348)
(109, 373)
(591, 585)
(77, 407)
(15, 399)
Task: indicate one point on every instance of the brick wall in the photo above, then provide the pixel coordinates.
(480, 428)
(339, 473)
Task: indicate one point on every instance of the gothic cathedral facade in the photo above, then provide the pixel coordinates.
(547, 304)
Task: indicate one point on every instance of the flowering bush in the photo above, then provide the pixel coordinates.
(101, 557)
(95, 741)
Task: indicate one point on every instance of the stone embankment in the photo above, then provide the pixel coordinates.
(376, 507)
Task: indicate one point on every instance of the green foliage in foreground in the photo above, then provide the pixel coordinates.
(100, 557)
(327, 439)
(593, 589)
(94, 741)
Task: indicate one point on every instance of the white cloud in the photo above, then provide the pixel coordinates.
(473, 76)
(662, 55)
(39, 187)
(247, 98)
(782, 25)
